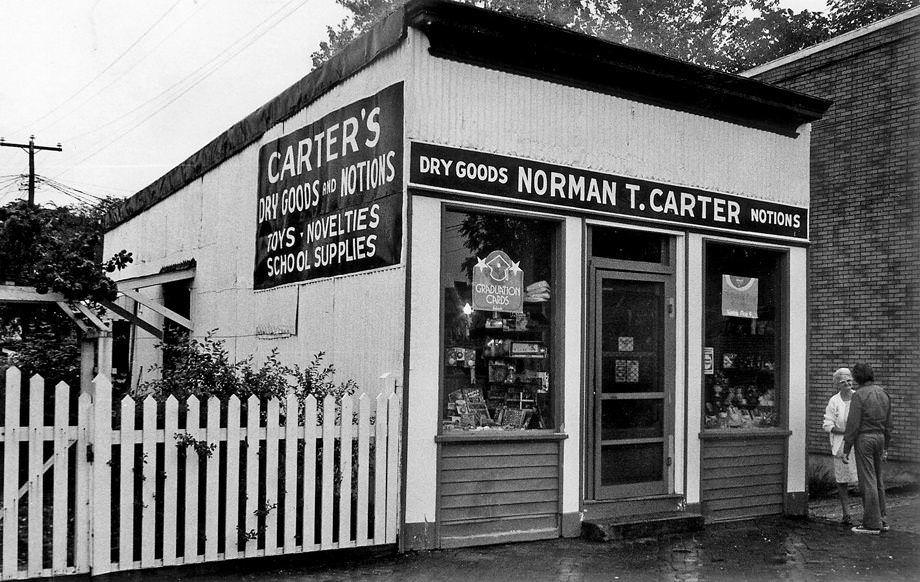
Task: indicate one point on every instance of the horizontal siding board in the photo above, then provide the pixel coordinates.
(747, 501)
(744, 491)
(742, 450)
(507, 537)
(498, 449)
(493, 499)
(493, 526)
(736, 461)
(474, 475)
(500, 462)
(499, 486)
(510, 510)
(742, 512)
(732, 472)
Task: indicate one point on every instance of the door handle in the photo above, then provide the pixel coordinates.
(670, 307)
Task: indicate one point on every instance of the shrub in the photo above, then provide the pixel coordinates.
(203, 368)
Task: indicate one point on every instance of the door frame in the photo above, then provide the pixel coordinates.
(644, 272)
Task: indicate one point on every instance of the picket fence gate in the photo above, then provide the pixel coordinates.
(109, 487)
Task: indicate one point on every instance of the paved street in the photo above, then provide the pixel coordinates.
(770, 549)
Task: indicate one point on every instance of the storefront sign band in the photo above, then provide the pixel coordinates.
(569, 189)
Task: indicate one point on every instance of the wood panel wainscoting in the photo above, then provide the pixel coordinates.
(743, 473)
(497, 488)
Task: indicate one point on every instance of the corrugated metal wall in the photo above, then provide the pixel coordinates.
(467, 106)
(358, 320)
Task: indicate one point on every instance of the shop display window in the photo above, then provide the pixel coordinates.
(742, 338)
(499, 289)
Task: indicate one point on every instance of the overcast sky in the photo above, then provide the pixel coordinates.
(132, 88)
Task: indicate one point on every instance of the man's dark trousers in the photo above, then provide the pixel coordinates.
(869, 447)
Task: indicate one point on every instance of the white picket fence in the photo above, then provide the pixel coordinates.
(163, 484)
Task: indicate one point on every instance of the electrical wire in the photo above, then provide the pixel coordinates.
(169, 35)
(198, 81)
(108, 67)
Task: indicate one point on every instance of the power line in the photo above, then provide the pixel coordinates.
(169, 35)
(196, 82)
(110, 65)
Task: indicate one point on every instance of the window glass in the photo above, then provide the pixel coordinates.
(629, 245)
(740, 354)
(496, 273)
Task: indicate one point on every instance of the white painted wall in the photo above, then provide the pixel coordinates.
(694, 353)
(424, 363)
(574, 343)
(472, 107)
(358, 319)
(798, 374)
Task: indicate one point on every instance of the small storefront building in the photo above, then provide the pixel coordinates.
(583, 264)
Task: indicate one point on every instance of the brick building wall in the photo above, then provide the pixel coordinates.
(864, 262)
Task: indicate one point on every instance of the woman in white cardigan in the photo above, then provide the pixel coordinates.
(835, 422)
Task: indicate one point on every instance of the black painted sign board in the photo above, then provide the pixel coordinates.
(566, 189)
(330, 194)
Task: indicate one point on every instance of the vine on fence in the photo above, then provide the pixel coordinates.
(203, 448)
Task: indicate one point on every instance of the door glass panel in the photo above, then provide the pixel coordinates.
(632, 419)
(624, 464)
(632, 336)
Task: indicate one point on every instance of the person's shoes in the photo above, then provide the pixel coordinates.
(847, 520)
(865, 530)
(885, 526)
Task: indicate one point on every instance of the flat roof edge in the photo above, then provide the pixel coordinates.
(831, 43)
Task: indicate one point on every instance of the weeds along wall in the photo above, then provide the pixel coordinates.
(357, 320)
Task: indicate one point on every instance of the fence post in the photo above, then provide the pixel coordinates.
(11, 473)
(100, 499)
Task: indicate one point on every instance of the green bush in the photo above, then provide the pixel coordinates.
(203, 368)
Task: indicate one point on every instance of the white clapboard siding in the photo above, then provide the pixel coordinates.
(268, 487)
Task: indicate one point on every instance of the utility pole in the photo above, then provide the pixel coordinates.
(30, 148)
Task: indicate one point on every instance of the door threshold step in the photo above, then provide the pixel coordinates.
(641, 526)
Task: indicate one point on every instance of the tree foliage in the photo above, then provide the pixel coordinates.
(52, 249)
(730, 35)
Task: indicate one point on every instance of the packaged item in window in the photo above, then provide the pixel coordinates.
(625, 344)
(528, 350)
(728, 360)
(494, 323)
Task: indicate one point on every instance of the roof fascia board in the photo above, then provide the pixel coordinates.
(836, 41)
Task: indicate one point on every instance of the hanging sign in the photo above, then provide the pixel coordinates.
(739, 296)
(330, 194)
(573, 190)
(498, 284)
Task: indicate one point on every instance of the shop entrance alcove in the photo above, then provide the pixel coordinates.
(630, 366)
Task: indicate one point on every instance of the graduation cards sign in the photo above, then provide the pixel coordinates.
(330, 194)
